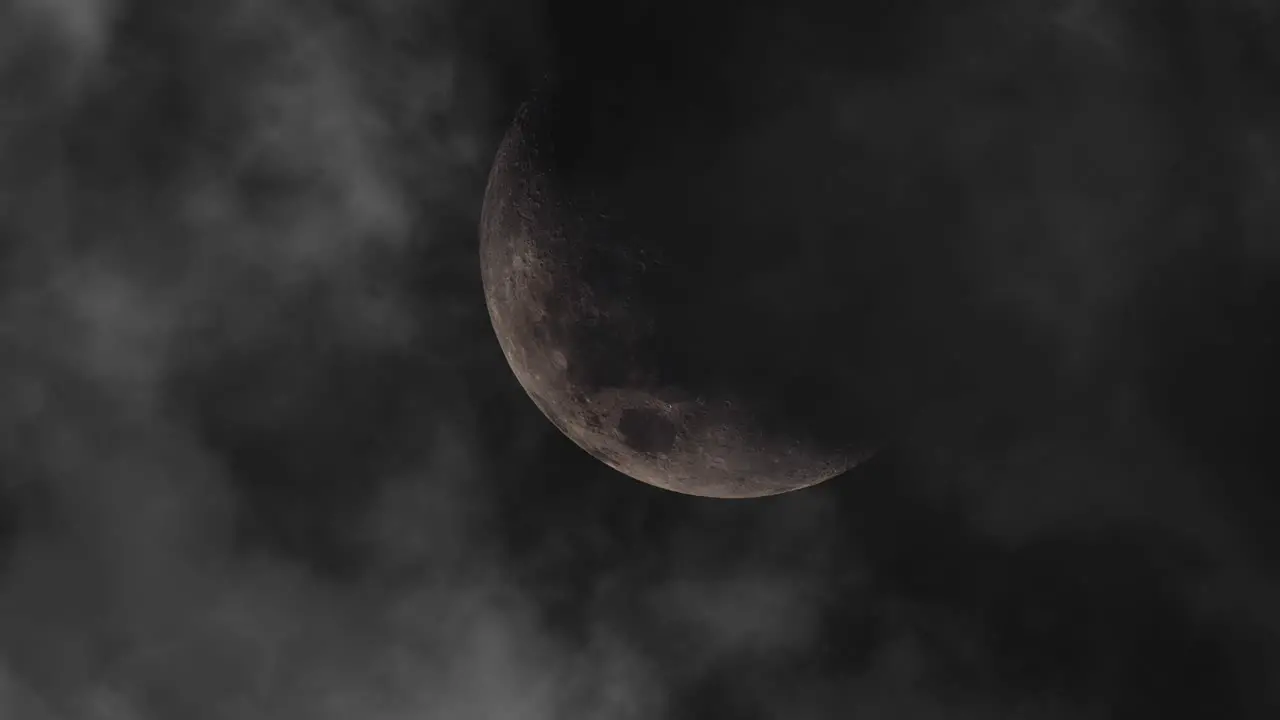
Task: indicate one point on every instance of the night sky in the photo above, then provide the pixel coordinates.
(261, 456)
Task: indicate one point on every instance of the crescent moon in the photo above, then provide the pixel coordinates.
(570, 292)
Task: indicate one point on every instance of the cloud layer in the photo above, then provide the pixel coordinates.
(261, 458)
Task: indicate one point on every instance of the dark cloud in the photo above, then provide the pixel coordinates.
(260, 456)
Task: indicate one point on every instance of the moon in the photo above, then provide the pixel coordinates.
(609, 318)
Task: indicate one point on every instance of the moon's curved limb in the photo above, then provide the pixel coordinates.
(565, 301)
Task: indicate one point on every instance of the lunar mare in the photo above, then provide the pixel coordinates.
(576, 301)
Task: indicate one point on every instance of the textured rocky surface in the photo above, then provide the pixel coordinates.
(578, 302)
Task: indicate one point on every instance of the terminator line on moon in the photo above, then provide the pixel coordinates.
(570, 297)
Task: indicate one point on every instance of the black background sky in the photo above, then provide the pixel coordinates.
(262, 458)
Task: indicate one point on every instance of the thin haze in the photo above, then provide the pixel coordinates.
(261, 457)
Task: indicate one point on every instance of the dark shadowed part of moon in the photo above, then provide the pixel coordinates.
(605, 319)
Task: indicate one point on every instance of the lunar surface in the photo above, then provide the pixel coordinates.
(598, 313)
